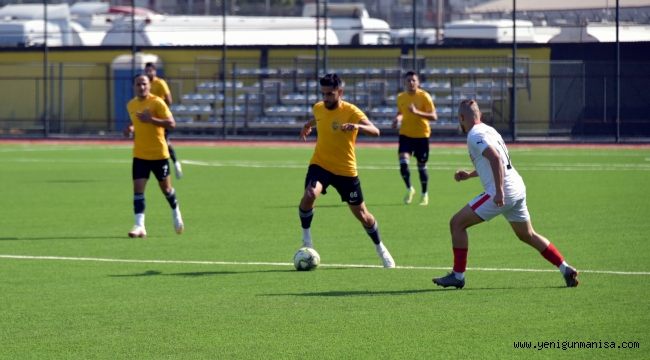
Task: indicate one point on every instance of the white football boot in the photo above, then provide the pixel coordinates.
(385, 256)
(138, 232)
(178, 220)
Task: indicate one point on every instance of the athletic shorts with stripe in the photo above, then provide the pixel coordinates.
(514, 210)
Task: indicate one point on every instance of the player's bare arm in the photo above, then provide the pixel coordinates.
(364, 126)
(461, 175)
(128, 130)
(146, 117)
(397, 120)
(431, 116)
(498, 172)
(306, 129)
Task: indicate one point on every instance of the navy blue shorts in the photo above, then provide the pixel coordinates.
(142, 168)
(418, 147)
(349, 187)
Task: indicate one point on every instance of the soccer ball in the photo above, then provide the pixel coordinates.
(306, 259)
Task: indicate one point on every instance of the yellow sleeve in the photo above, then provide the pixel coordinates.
(161, 110)
(429, 102)
(165, 87)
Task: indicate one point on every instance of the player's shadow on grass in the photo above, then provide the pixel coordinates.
(196, 273)
(71, 181)
(293, 206)
(391, 204)
(14, 238)
(357, 293)
(342, 204)
(351, 293)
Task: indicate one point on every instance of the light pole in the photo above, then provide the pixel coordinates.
(513, 100)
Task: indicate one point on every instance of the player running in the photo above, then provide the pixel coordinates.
(414, 111)
(505, 194)
(150, 116)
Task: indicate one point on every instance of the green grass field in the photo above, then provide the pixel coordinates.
(74, 286)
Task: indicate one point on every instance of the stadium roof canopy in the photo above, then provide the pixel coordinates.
(554, 5)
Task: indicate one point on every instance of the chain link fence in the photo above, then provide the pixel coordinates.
(555, 99)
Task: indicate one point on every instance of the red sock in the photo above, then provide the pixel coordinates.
(553, 255)
(460, 260)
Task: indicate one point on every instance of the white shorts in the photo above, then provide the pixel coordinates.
(514, 210)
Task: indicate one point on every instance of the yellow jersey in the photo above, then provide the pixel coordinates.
(334, 150)
(159, 87)
(414, 126)
(149, 140)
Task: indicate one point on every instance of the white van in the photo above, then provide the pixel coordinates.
(26, 33)
(352, 24)
(476, 32)
(26, 21)
(91, 20)
(603, 32)
(422, 36)
(162, 30)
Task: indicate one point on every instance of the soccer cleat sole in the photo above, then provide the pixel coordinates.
(457, 286)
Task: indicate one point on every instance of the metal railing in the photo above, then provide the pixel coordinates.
(555, 99)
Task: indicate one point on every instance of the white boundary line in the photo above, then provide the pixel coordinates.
(391, 167)
(437, 165)
(254, 263)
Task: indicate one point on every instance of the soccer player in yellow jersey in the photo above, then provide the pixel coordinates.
(414, 111)
(150, 116)
(334, 161)
(160, 88)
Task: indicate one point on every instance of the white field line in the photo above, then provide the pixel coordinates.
(431, 164)
(391, 167)
(263, 263)
(527, 151)
(47, 149)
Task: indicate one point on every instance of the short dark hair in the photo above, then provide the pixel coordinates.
(410, 73)
(332, 80)
(150, 64)
(136, 76)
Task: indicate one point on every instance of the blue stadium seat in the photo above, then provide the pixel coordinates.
(201, 98)
(256, 71)
(311, 85)
(250, 97)
(299, 99)
(217, 85)
(436, 86)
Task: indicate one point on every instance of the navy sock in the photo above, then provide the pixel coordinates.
(373, 232)
(138, 203)
(171, 199)
(406, 174)
(306, 217)
(424, 177)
